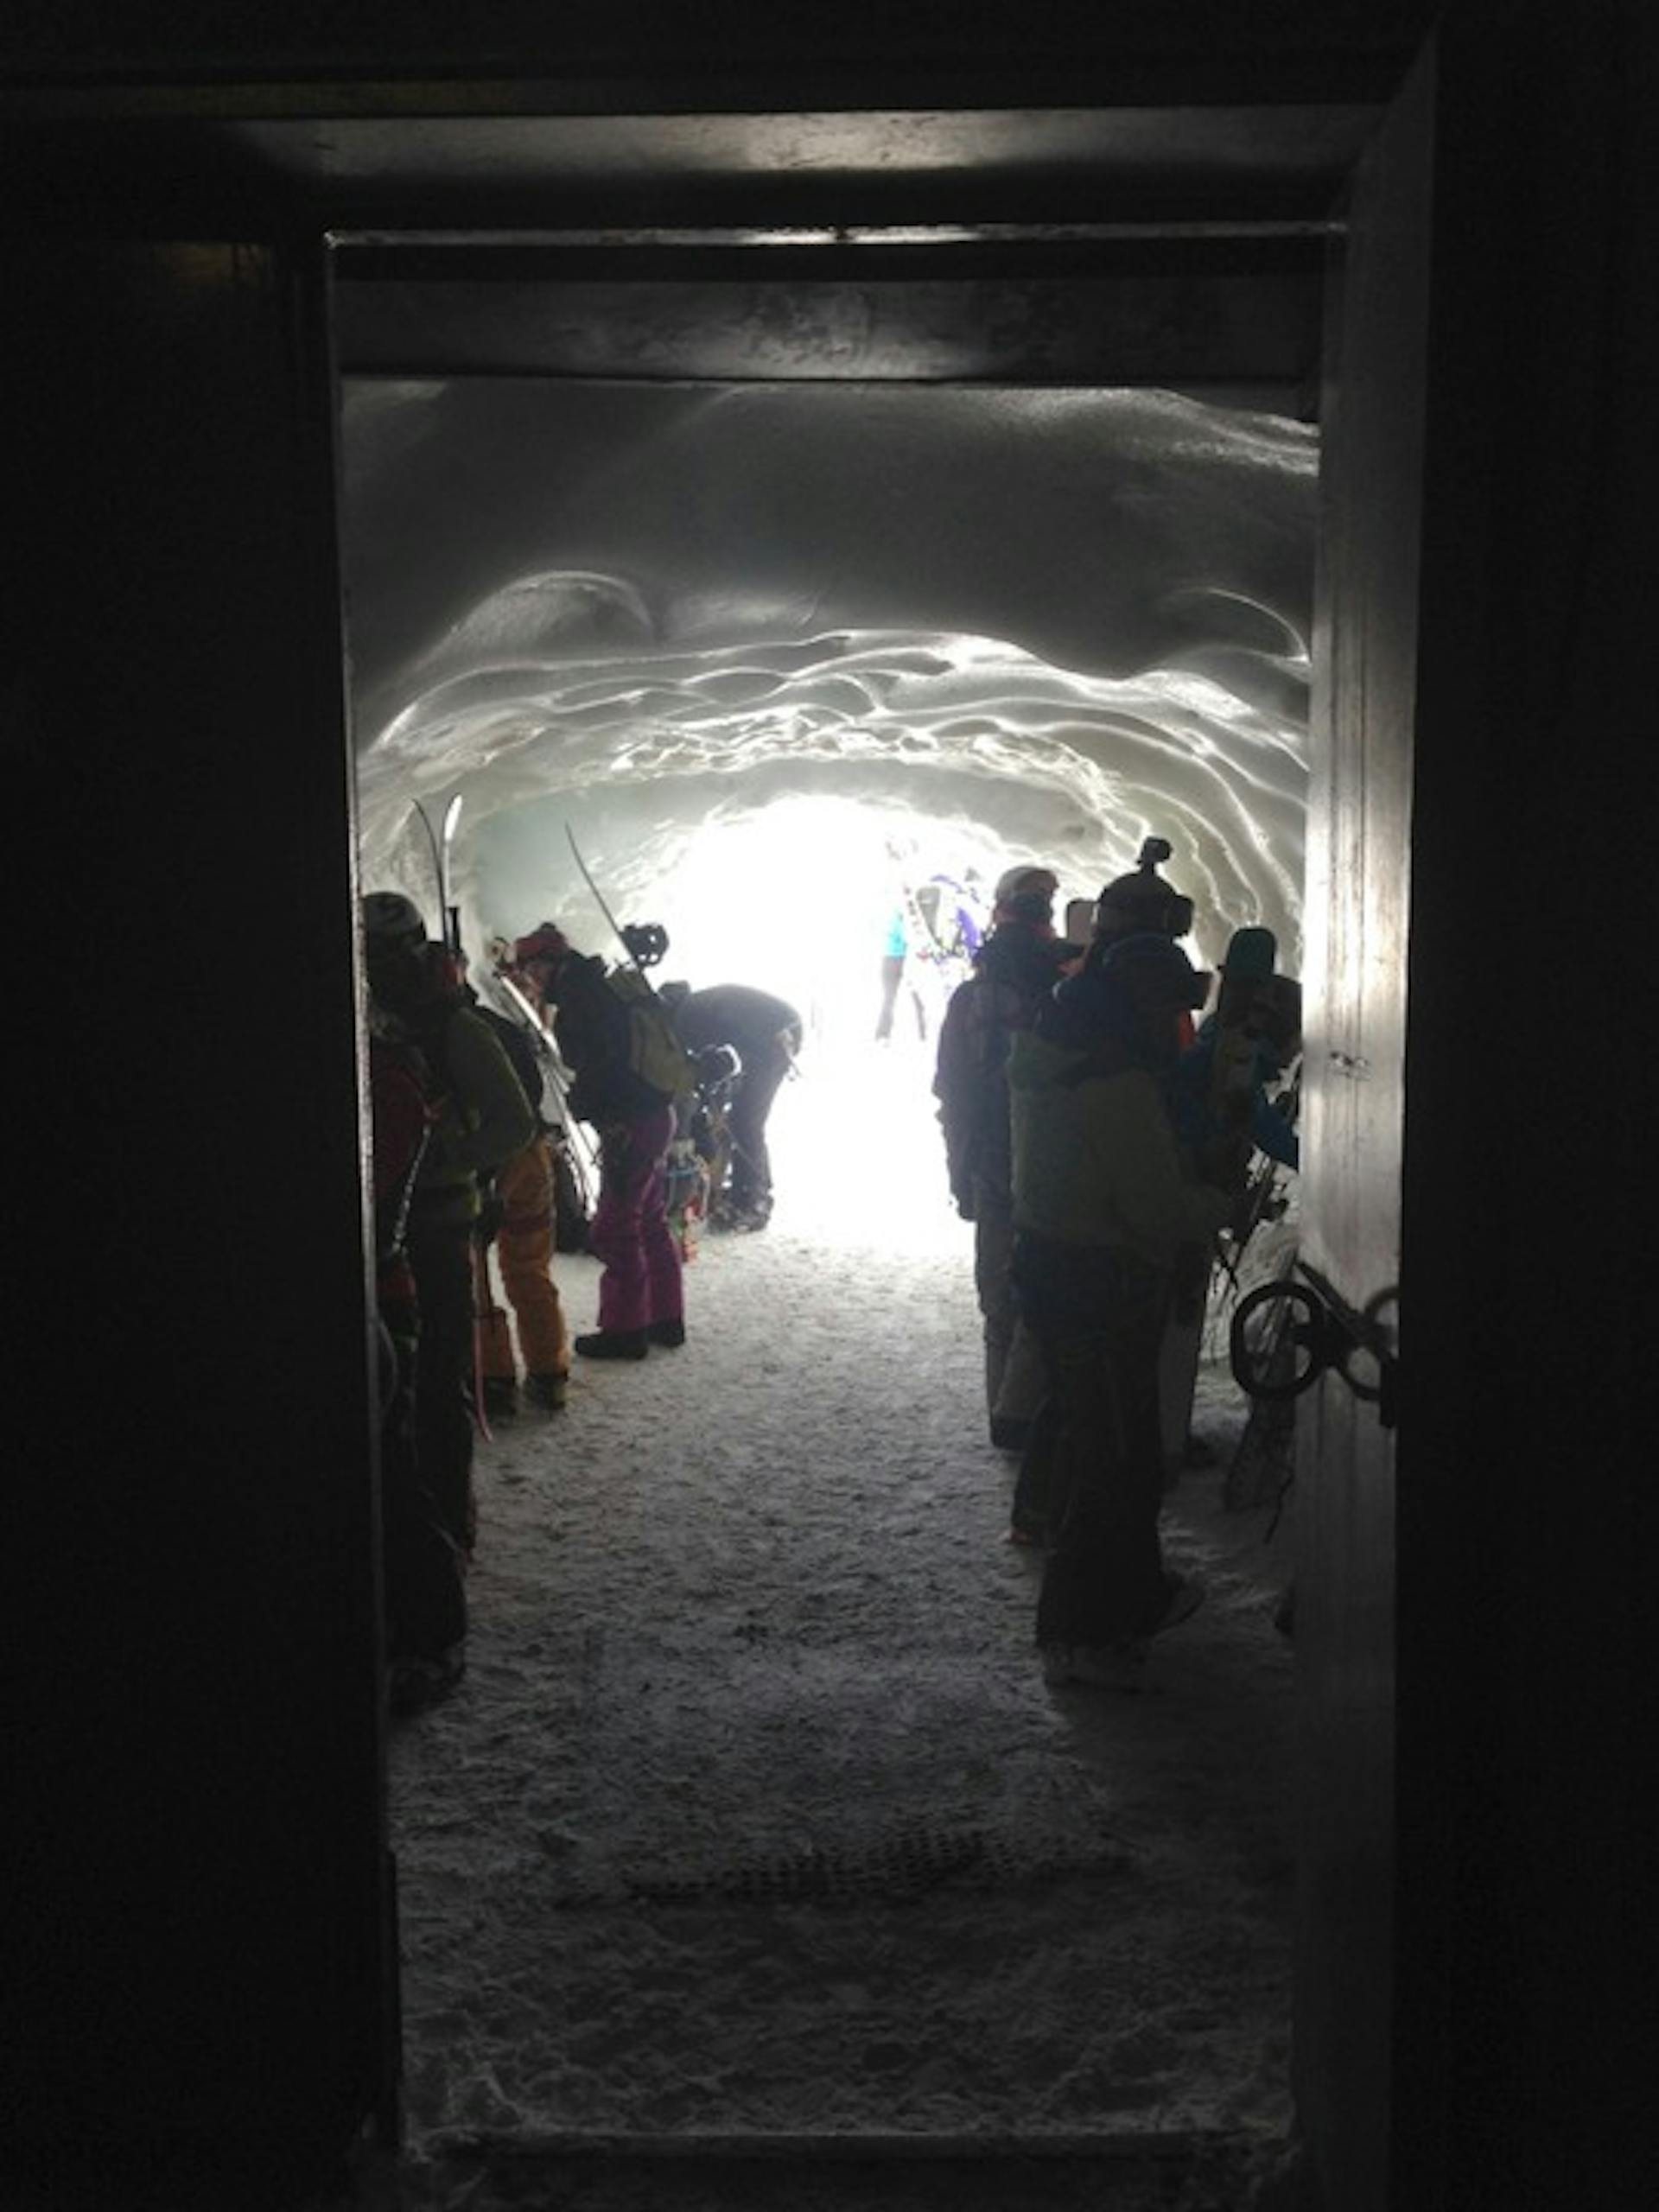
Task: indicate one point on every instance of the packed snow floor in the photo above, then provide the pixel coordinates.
(753, 1816)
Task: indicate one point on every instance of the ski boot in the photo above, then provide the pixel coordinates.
(613, 1344)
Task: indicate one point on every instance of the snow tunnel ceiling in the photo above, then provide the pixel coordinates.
(769, 643)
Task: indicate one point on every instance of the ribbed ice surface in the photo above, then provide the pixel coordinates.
(804, 625)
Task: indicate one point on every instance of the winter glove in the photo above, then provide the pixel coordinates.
(963, 1195)
(491, 1215)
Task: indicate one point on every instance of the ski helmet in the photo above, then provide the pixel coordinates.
(390, 920)
(1143, 901)
(1025, 894)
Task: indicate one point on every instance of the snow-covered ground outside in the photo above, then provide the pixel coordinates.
(752, 1817)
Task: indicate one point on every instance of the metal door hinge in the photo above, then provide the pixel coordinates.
(1285, 1335)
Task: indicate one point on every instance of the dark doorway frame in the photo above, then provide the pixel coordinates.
(211, 570)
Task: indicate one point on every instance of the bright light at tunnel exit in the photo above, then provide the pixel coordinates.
(800, 896)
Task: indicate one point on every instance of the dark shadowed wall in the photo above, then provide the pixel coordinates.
(197, 1938)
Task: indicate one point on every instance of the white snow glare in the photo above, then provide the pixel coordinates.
(753, 1817)
(976, 624)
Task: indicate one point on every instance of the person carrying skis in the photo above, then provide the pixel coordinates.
(1016, 968)
(518, 1211)
(482, 1120)
(1103, 1205)
(765, 1032)
(597, 1030)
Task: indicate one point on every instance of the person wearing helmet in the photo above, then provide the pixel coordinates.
(482, 1119)
(641, 1288)
(1016, 968)
(1103, 1203)
(1143, 902)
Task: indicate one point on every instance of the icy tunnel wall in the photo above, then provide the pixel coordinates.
(763, 648)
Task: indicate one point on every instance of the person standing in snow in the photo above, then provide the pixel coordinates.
(1103, 1203)
(765, 1032)
(482, 1120)
(1016, 968)
(641, 1290)
(424, 1584)
(1143, 902)
(896, 948)
(520, 1209)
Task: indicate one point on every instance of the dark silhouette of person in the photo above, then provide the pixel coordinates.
(641, 1290)
(1015, 970)
(765, 1032)
(1103, 1203)
(482, 1119)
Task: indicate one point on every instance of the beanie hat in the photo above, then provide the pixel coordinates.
(389, 918)
(546, 942)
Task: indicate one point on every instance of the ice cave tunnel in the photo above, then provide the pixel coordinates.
(761, 648)
(751, 1662)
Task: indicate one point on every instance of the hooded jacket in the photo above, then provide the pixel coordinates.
(1095, 1160)
(480, 1114)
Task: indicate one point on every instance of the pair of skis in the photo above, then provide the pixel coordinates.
(442, 843)
(623, 937)
(1246, 969)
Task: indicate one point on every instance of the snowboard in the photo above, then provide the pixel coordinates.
(1241, 1008)
(1246, 973)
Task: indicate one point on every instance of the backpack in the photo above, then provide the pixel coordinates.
(514, 1041)
(655, 1053)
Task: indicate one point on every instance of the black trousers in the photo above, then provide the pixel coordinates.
(751, 1163)
(1099, 1313)
(440, 1259)
(425, 1590)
